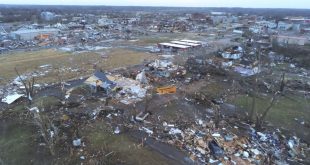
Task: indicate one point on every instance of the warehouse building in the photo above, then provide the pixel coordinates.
(175, 46)
(30, 34)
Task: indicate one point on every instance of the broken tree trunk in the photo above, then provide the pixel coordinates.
(47, 130)
(255, 90)
(29, 86)
(261, 118)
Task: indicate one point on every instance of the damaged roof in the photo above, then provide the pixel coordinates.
(98, 75)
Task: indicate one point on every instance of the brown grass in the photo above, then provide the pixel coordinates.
(27, 62)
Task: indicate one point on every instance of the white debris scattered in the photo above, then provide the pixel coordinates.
(67, 96)
(292, 66)
(132, 90)
(291, 144)
(202, 151)
(255, 151)
(165, 124)
(247, 71)
(161, 64)
(45, 66)
(117, 130)
(52, 133)
(229, 55)
(29, 97)
(216, 135)
(212, 161)
(174, 131)
(18, 80)
(245, 154)
(141, 77)
(200, 122)
(12, 98)
(227, 64)
(34, 109)
(147, 130)
(77, 142)
(262, 136)
(109, 116)
(66, 49)
(237, 154)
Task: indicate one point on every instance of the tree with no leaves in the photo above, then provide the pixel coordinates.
(29, 86)
(260, 118)
(47, 130)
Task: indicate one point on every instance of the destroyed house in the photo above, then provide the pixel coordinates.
(99, 79)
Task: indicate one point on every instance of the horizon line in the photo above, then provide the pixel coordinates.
(153, 6)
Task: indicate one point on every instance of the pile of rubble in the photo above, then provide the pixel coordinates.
(207, 144)
(132, 91)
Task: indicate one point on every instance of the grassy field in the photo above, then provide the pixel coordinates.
(283, 113)
(66, 64)
(124, 148)
(16, 145)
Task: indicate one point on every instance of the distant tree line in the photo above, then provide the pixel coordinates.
(14, 13)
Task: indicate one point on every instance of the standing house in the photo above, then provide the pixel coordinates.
(290, 40)
(284, 26)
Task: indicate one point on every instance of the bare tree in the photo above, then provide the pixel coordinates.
(61, 82)
(261, 117)
(29, 86)
(127, 34)
(254, 94)
(252, 111)
(147, 99)
(217, 114)
(47, 129)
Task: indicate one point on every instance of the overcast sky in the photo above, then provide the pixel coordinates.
(187, 3)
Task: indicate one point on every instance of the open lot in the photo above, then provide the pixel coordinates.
(66, 64)
(143, 85)
(290, 112)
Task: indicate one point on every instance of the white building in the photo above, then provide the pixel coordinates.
(290, 40)
(268, 24)
(219, 19)
(284, 26)
(218, 13)
(105, 22)
(30, 34)
(257, 29)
